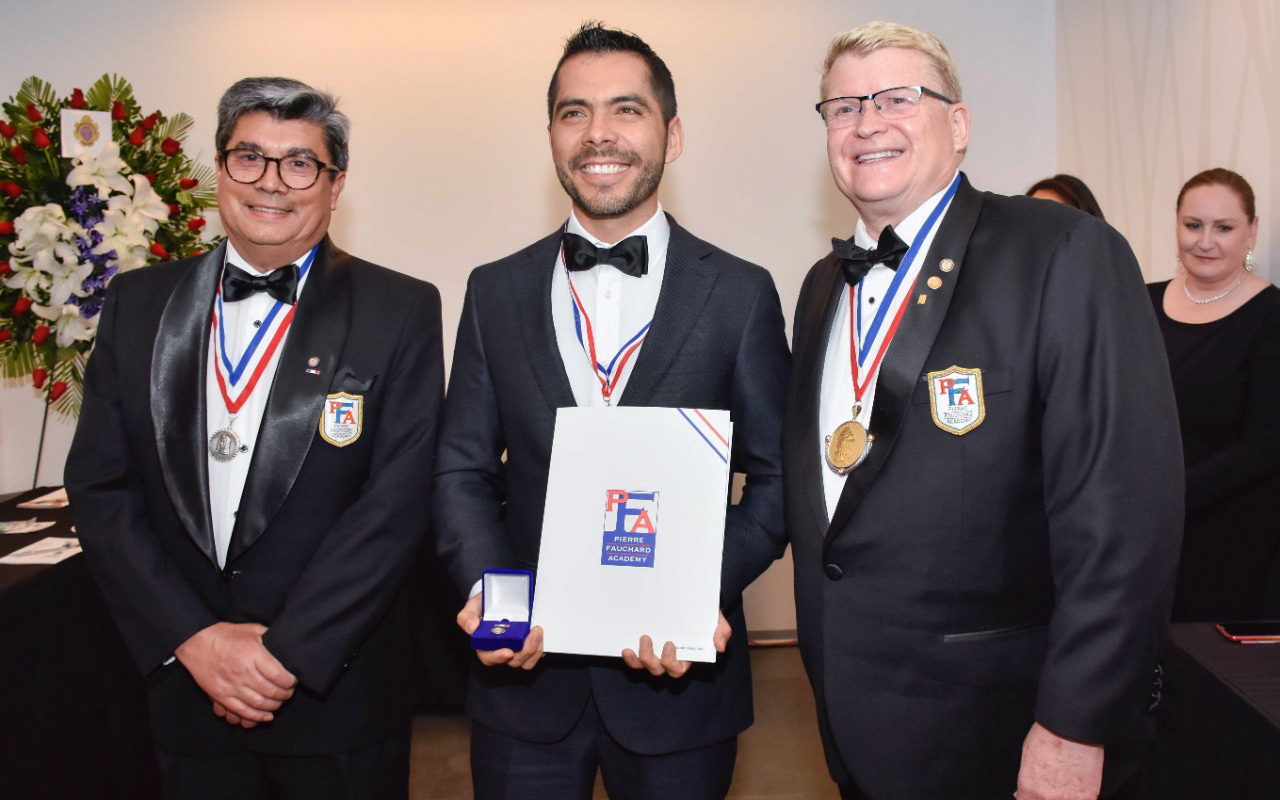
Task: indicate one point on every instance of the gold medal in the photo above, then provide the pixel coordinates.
(848, 446)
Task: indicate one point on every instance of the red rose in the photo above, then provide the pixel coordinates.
(151, 178)
(20, 306)
(188, 183)
(195, 253)
(58, 389)
(18, 154)
(5, 269)
(40, 139)
(77, 98)
(5, 335)
(6, 228)
(195, 224)
(136, 138)
(37, 376)
(149, 123)
(39, 335)
(117, 110)
(7, 130)
(33, 114)
(12, 189)
(159, 252)
(174, 209)
(170, 147)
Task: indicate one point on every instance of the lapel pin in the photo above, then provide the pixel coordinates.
(922, 300)
(946, 265)
(312, 363)
(935, 282)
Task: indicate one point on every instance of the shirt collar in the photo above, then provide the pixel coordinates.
(909, 226)
(235, 259)
(656, 230)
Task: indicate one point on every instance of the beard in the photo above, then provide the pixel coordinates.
(610, 204)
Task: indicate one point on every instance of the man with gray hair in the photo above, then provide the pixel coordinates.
(981, 462)
(246, 477)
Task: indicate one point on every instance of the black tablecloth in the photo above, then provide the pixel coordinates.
(1220, 721)
(73, 720)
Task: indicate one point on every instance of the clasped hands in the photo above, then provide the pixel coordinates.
(234, 668)
(646, 658)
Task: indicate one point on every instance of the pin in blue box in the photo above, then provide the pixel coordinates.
(507, 604)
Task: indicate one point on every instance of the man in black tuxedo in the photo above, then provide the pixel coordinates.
(247, 474)
(983, 472)
(656, 727)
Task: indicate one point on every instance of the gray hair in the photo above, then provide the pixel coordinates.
(284, 98)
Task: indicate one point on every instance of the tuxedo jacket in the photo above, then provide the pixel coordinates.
(324, 534)
(969, 584)
(717, 341)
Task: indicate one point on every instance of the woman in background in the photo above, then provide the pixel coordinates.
(1221, 327)
(1068, 190)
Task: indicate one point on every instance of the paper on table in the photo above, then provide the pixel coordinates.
(633, 530)
(25, 526)
(55, 499)
(49, 550)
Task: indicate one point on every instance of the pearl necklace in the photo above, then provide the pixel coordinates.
(1202, 300)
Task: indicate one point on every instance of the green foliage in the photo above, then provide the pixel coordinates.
(107, 90)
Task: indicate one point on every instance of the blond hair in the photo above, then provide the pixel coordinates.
(866, 39)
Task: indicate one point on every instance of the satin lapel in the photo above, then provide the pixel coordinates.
(530, 296)
(904, 363)
(292, 417)
(179, 359)
(686, 287)
(824, 298)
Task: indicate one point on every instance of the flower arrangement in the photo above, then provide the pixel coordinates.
(68, 224)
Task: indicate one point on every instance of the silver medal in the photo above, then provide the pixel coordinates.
(224, 444)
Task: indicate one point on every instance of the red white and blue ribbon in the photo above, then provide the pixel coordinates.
(255, 358)
(878, 338)
(608, 374)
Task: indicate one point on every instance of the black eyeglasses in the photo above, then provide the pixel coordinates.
(899, 102)
(297, 172)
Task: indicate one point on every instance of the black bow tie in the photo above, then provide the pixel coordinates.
(856, 261)
(282, 284)
(631, 255)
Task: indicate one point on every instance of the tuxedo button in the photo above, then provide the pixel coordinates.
(834, 572)
(230, 574)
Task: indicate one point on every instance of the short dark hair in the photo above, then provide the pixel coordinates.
(1223, 177)
(594, 37)
(284, 98)
(1073, 191)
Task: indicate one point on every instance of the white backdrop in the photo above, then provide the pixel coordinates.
(450, 165)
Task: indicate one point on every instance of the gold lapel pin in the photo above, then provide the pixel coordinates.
(924, 298)
(935, 282)
(946, 265)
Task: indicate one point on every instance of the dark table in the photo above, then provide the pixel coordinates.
(73, 716)
(1219, 724)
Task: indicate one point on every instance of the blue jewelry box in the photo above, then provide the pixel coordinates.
(507, 597)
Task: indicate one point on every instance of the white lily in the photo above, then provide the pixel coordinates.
(67, 322)
(144, 207)
(101, 171)
(120, 232)
(131, 258)
(66, 272)
(33, 282)
(39, 227)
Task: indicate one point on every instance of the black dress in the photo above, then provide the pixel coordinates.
(1226, 377)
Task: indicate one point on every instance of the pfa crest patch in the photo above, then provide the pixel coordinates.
(342, 418)
(955, 399)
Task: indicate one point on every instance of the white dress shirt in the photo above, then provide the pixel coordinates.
(836, 401)
(240, 322)
(617, 305)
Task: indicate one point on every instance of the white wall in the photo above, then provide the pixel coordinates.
(1150, 92)
(450, 166)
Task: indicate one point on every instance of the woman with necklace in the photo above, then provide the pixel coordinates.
(1221, 328)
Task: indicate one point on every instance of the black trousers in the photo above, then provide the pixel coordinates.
(506, 768)
(377, 772)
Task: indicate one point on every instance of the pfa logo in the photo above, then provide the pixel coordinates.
(630, 528)
(342, 418)
(955, 399)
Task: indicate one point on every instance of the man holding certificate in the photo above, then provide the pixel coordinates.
(984, 484)
(621, 306)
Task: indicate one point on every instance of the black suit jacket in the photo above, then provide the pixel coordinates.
(717, 341)
(970, 584)
(324, 534)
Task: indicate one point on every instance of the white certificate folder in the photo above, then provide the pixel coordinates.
(633, 531)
